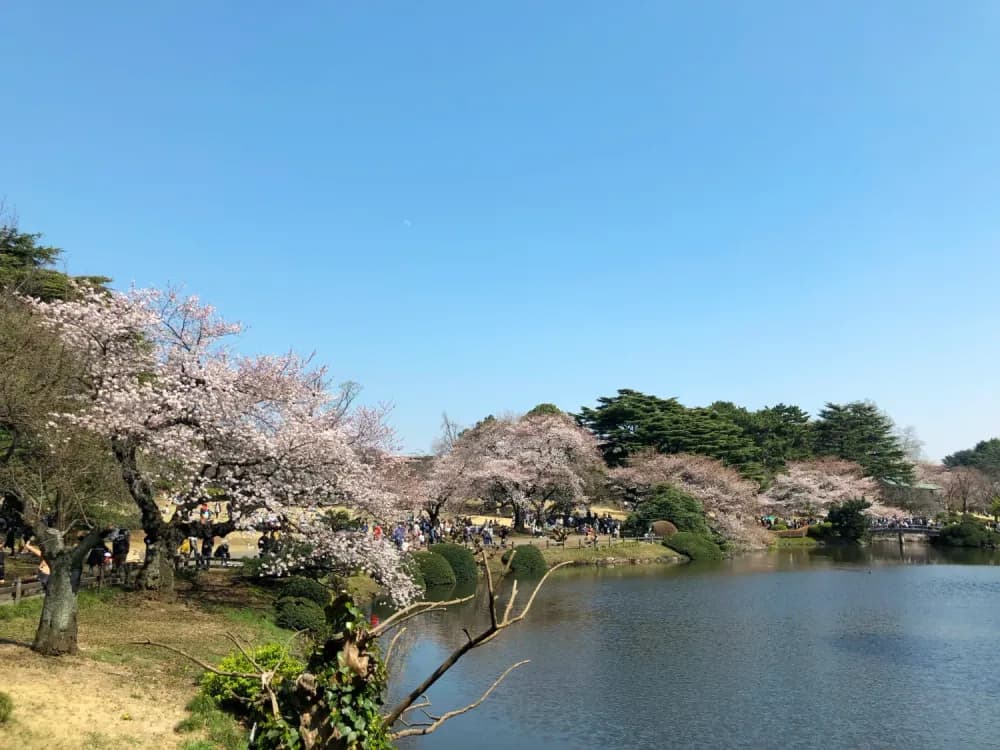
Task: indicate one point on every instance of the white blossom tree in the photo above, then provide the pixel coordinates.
(812, 486)
(533, 461)
(183, 411)
(729, 500)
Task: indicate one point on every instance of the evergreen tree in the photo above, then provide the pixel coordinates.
(25, 266)
(985, 457)
(631, 422)
(860, 432)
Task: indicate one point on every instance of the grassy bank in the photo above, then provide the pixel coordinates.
(624, 553)
(793, 541)
(116, 694)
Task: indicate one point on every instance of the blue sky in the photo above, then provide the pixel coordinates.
(474, 208)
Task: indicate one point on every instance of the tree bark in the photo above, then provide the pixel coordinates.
(157, 572)
(57, 631)
(518, 517)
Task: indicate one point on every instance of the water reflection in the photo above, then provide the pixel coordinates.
(825, 648)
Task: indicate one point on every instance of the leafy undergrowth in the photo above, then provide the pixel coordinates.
(220, 730)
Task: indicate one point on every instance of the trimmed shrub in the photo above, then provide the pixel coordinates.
(822, 531)
(969, 532)
(667, 503)
(694, 546)
(413, 570)
(460, 559)
(242, 695)
(434, 568)
(663, 528)
(6, 708)
(305, 588)
(301, 614)
(528, 561)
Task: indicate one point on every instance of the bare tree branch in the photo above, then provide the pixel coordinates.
(494, 629)
(439, 720)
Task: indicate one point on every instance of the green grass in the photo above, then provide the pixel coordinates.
(625, 550)
(362, 587)
(794, 541)
(260, 623)
(25, 609)
(222, 730)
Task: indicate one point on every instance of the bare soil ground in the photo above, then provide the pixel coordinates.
(116, 694)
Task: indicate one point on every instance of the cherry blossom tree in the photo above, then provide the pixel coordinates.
(533, 461)
(184, 412)
(809, 487)
(63, 487)
(730, 500)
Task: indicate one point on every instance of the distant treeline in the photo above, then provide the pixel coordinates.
(758, 443)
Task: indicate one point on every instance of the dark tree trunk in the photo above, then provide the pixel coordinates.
(519, 517)
(157, 572)
(57, 633)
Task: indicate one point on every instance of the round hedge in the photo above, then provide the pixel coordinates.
(460, 559)
(412, 568)
(305, 588)
(528, 561)
(6, 708)
(300, 614)
(664, 528)
(694, 546)
(434, 568)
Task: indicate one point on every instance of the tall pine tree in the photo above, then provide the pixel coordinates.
(859, 431)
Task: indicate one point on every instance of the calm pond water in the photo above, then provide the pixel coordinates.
(800, 649)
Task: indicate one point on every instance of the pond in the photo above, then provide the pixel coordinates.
(831, 648)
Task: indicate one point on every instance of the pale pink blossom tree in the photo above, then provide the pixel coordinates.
(184, 412)
(810, 487)
(533, 461)
(729, 500)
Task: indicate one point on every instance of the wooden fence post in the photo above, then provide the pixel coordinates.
(17, 589)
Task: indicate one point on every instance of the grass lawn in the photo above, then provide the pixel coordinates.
(116, 694)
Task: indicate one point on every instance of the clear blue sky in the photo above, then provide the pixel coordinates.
(474, 207)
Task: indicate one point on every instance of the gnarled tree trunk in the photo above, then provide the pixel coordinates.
(57, 629)
(157, 573)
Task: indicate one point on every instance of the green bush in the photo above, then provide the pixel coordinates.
(434, 568)
(6, 708)
(849, 520)
(305, 588)
(969, 532)
(780, 526)
(413, 570)
(528, 561)
(241, 695)
(694, 546)
(822, 531)
(667, 503)
(460, 559)
(301, 614)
